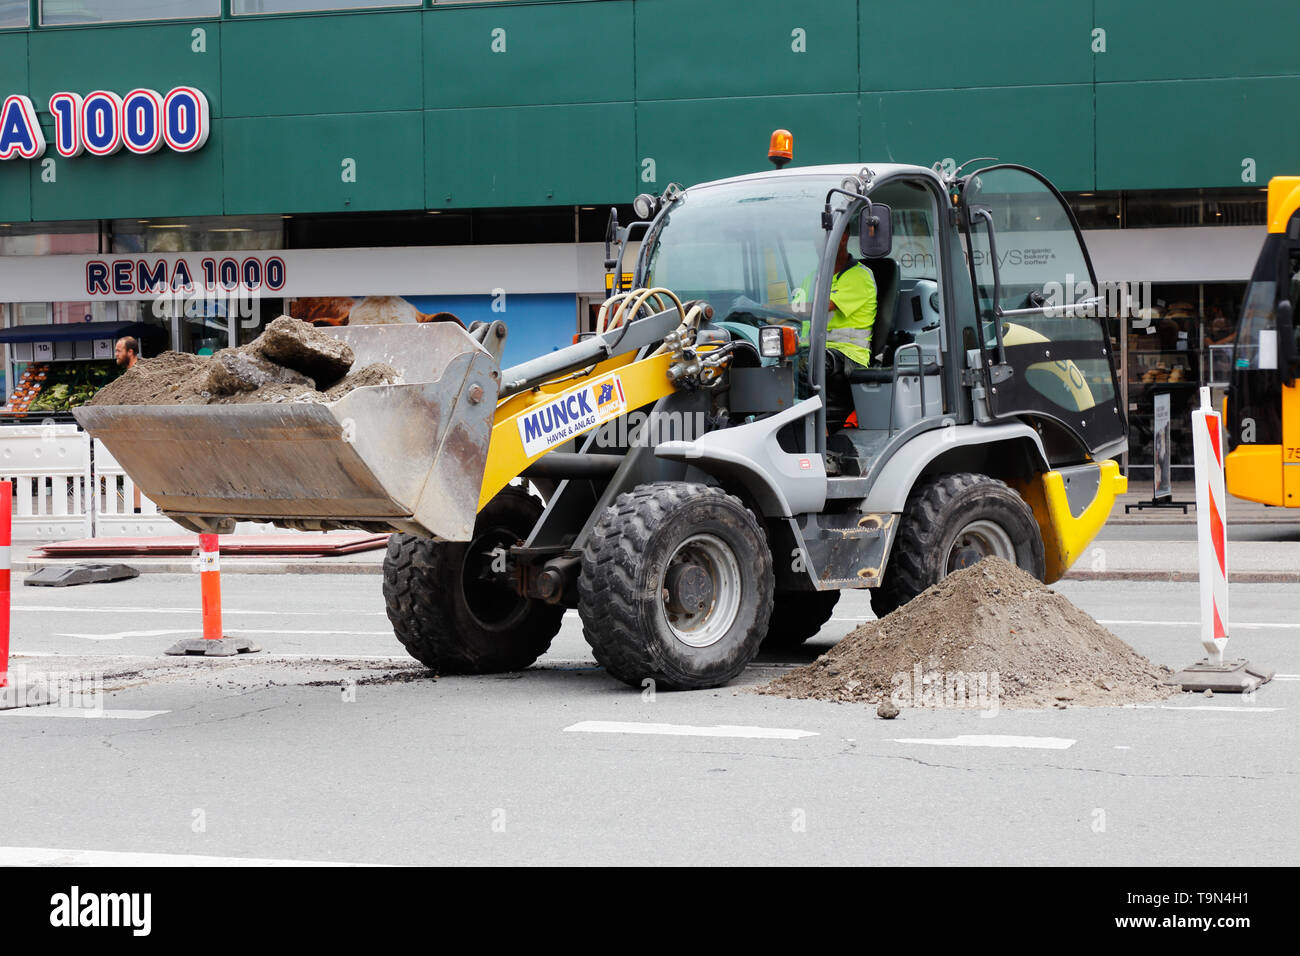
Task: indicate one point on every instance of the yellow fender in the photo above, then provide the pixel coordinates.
(1066, 537)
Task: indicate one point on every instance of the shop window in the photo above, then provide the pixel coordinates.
(1181, 340)
(29, 313)
(1195, 207)
(1097, 210)
(243, 7)
(199, 234)
(15, 13)
(55, 12)
(70, 238)
(71, 312)
(201, 322)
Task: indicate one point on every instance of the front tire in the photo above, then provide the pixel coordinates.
(452, 611)
(676, 586)
(950, 523)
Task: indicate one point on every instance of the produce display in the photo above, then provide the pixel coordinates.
(45, 388)
(27, 388)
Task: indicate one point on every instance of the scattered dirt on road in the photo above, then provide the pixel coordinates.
(390, 674)
(291, 361)
(989, 635)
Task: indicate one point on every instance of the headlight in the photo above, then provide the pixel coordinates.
(645, 206)
(777, 341)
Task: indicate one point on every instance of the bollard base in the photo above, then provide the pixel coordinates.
(221, 647)
(18, 693)
(1230, 677)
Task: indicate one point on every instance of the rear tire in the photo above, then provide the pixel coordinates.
(950, 523)
(797, 616)
(449, 609)
(676, 586)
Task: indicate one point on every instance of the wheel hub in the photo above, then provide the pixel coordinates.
(979, 539)
(689, 589)
(489, 594)
(701, 590)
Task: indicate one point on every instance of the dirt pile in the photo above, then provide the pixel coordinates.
(290, 361)
(985, 637)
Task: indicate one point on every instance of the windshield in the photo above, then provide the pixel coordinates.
(750, 249)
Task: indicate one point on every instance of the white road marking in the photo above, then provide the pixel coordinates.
(195, 631)
(1230, 709)
(992, 740)
(685, 730)
(1122, 747)
(84, 712)
(1234, 625)
(43, 856)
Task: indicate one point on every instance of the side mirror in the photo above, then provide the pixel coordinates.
(611, 239)
(876, 231)
(1286, 341)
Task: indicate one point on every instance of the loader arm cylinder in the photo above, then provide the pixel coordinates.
(589, 351)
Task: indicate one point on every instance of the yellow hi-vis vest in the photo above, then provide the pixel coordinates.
(853, 293)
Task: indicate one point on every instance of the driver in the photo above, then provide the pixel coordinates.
(853, 314)
(852, 307)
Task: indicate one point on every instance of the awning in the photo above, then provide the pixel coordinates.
(79, 331)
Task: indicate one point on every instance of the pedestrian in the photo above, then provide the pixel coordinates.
(127, 352)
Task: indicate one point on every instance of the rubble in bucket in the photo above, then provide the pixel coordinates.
(990, 635)
(291, 361)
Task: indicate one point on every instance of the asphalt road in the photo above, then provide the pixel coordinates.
(279, 756)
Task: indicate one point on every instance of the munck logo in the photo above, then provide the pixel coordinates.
(77, 909)
(571, 413)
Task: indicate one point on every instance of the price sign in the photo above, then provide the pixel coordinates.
(103, 348)
(42, 351)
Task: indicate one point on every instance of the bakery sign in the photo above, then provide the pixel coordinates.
(102, 123)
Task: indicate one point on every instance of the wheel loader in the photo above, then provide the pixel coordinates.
(686, 474)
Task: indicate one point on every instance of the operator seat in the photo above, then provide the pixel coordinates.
(886, 273)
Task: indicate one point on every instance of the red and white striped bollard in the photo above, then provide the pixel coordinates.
(1211, 526)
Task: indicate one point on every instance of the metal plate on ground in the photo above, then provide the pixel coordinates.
(1230, 677)
(80, 574)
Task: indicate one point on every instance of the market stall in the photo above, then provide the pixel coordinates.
(55, 368)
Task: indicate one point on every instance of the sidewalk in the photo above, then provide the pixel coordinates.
(1239, 512)
(27, 559)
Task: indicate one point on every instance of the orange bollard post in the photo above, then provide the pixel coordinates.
(214, 642)
(210, 585)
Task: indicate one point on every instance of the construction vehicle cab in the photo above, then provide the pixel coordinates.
(1263, 405)
(684, 476)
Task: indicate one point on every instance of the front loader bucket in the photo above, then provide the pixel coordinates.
(404, 457)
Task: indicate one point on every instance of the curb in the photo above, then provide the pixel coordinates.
(1173, 522)
(1181, 577)
(228, 566)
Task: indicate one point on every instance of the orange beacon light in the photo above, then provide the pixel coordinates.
(781, 150)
